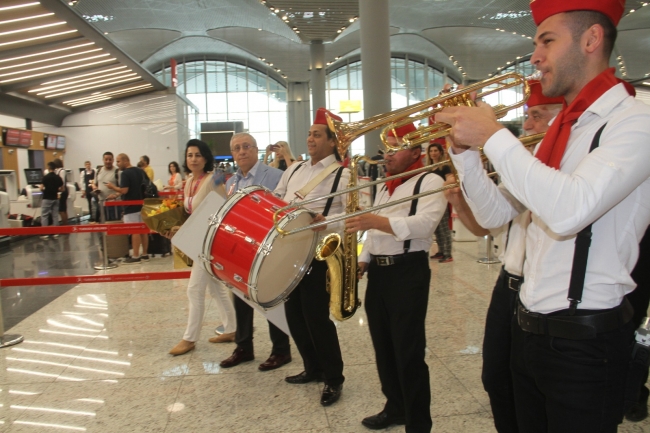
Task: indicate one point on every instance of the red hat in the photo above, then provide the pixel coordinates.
(538, 98)
(440, 140)
(321, 119)
(402, 130)
(542, 9)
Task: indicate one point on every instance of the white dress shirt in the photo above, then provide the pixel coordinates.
(286, 189)
(609, 187)
(419, 227)
(513, 241)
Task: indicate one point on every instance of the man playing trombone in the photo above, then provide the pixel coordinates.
(395, 255)
(571, 348)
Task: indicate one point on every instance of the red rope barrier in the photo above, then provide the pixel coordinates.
(110, 229)
(123, 202)
(46, 281)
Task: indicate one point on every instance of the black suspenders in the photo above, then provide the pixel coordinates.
(335, 185)
(414, 207)
(583, 242)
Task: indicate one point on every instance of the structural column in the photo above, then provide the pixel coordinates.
(299, 117)
(375, 64)
(317, 75)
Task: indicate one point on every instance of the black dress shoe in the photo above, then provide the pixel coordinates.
(638, 412)
(238, 356)
(331, 394)
(381, 421)
(304, 378)
(275, 361)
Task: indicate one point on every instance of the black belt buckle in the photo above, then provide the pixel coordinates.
(384, 261)
(528, 321)
(513, 283)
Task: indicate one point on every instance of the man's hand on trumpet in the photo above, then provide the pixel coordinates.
(471, 126)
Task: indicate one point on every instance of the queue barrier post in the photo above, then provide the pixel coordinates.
(8, 339)
(489, 253)
(105, 265)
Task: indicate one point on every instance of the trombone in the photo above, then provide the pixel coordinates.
(526, 141)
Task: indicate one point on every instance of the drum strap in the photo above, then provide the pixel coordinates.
(335, 186)
(302, 193)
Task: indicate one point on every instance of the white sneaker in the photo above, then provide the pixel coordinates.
(55, 236)
(45, 237)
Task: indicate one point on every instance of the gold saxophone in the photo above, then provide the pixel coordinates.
(342, 283)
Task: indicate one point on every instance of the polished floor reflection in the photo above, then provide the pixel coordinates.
(95, 359)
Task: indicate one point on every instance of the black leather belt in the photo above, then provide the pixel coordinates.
(585, 324)
(511, 281)
(397, 259)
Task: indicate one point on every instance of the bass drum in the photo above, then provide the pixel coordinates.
(243, 249)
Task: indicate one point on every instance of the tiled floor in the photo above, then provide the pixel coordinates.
(95, 359)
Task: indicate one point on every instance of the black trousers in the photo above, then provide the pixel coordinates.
(567, 385)
(396, 306)
(496, 376)
(244, 335)
(312, 330)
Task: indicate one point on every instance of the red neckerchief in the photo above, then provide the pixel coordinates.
(554, 144)
(393, 184)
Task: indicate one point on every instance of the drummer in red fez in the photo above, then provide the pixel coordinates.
(572, 337)
(307, 308)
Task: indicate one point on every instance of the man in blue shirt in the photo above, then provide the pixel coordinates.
(252, 172)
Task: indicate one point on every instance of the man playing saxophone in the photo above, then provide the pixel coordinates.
(307, 309)
(395, 255)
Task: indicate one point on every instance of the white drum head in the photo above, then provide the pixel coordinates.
(275, 275)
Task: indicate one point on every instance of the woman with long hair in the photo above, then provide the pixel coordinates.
(200, 163)
(283, 157)
(435, 154)
(175, 182)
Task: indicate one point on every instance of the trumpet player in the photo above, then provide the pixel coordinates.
(307, 309)
(395, 255)
(588, 190)
(496, 375)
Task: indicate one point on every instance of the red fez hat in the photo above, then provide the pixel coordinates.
(538, 98)
(440, 140)
(402, 130)
(321, 119)
(542, 9)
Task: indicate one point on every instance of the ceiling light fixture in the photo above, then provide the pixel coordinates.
(19, 6)
(110, 83)
(49, 59)
(42, 53)
(29, 29)
(59, 87)
(56, 65)
(85, 75)
(112, 59)
(51, 35)
(115, 92)
(26, 18)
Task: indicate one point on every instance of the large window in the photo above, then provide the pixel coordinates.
(226, 91)
(411, 82)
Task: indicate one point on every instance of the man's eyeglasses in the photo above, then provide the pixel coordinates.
(244, 147)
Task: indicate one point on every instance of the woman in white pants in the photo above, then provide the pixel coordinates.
(199, 161)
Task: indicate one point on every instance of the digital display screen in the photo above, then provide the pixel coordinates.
(34, 176)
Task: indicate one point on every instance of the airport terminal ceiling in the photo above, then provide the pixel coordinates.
(468, 38)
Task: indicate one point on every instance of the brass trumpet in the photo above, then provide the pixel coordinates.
(346, 133)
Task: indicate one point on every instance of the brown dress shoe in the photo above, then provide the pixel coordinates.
(275, 361)
(223, 338)
(238, 356)
(183, 347)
